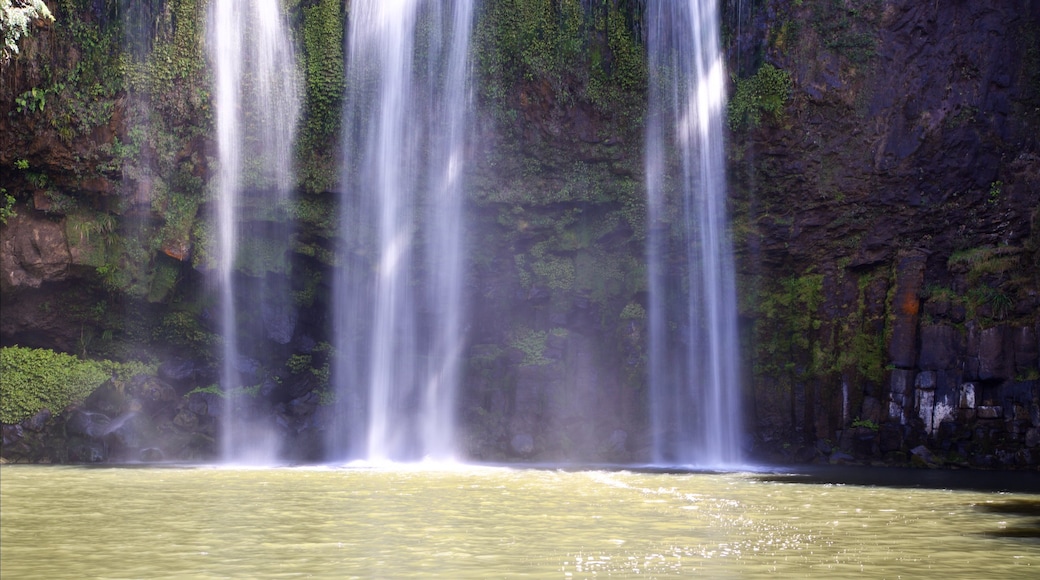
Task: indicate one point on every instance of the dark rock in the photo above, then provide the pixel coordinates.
(177, 370)
(925, 381)
(967, 396)
(906, 305)
(86, 423)
(989, 412)
(823, 447)
(939, 347)
(924, 453)
(890, 437)
(618, 441)
(522, 444)
(1026, 350)
(186, 420)
(279, 321)
(994, 354)
(38, 421)
(840, 457)
(150, 394)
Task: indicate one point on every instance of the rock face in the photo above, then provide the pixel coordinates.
(910, 149)
(886, 222)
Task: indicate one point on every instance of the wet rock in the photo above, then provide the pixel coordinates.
(279, 321)
(186, 420)
(86, 423)
(38, 421)
(522, 444)
(151, 455)
(840, 457)
(989, 412)
(618, 441)
(177, 370)
(923, 453)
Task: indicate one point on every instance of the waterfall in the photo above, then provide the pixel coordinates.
(693, 345)
(256, 107)
(398, 320)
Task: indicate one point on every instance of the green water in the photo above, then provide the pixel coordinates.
(74, 522)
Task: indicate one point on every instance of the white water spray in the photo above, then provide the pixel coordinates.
(693, 347)
(398, 322)
(256, 105)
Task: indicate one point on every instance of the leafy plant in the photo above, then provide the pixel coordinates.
(31, 101)
(6, 206)
(867, 423)
(995, 189)
(764, 93)
(34, 379)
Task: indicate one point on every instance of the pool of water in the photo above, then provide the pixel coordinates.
(483, 522)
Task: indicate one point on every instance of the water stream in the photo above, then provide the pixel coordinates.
(479, 522)
(256, 107)
(399, 312)
(693, 347)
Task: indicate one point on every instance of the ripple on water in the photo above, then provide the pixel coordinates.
(478, 523)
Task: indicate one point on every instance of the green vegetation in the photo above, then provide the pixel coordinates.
(532, 344)
(35, 379)
(16, 17)
(6, 206)
(318, 143)
(848, 27)
(763, 94)
(561, 52)
(786, 333)
(985, 261)
(867, 423)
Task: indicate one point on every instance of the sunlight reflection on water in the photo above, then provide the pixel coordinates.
(456, 521)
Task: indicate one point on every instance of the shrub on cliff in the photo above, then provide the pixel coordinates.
(32, 379)
(764, 93)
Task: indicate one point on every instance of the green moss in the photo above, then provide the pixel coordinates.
(570, 49)
(786, 333)
(34, 379)
(848, 27)
(181, 329)
(984, 261)
(633, 311)
(532, 344)
(323, 51)
(259, 255)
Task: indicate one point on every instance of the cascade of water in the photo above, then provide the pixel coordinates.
(399, 316)
(693, 352)
(256, 106)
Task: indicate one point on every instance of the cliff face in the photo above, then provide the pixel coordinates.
(884, 172)
(890, 241)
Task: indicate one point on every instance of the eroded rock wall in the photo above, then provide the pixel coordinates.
(889, 218)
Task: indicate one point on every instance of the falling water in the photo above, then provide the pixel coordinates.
(694, 375)
(256, 107)
(399, 315)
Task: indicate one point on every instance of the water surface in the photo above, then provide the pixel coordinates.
(77, 522)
